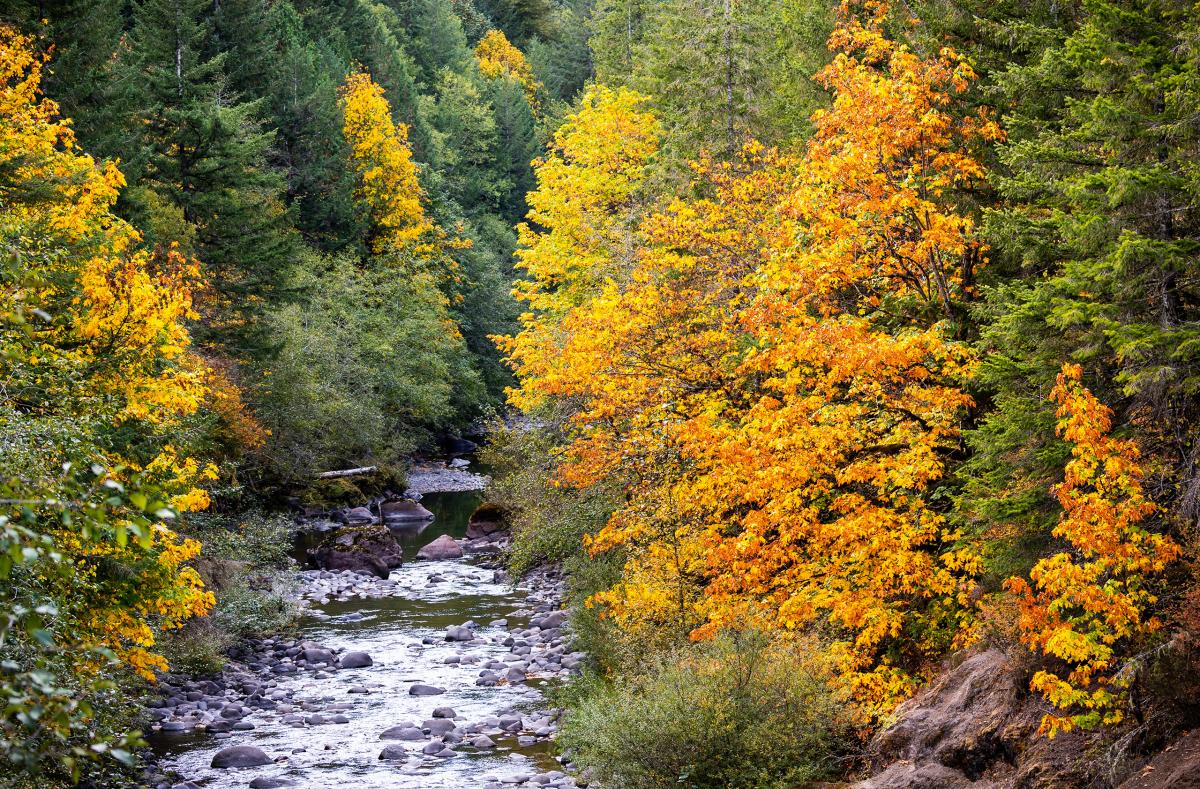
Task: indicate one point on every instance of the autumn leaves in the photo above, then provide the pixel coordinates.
(773, 369)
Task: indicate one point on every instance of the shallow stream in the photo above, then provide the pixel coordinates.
(404, 633)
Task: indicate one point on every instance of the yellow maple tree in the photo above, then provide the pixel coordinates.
(387, 176)
(95, 338)
(580, 231)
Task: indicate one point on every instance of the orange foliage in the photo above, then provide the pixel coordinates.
(1083, 604)
(777, 431)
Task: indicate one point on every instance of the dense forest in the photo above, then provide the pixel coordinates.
(824, 345)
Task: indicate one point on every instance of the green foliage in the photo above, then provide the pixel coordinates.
(365, 366)
(1093, 232)
(739, 711)
(719, 73)
(548, 521)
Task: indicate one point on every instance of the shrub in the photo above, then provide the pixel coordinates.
(548, 521)
(197, 649)
(255, 608)
(740, 711)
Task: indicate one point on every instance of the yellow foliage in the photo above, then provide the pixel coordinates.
(104, 345)
(387, 177)
(498, 58)
(583, 236)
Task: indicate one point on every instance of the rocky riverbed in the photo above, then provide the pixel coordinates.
(431, 677)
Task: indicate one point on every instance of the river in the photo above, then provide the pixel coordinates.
(404, 632)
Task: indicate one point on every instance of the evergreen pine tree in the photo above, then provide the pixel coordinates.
(1101, 218)
(202, 170)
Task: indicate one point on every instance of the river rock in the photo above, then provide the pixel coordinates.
(444, 547)
(403, 511)
(483, 741)
(359, 516)
(459, 633)
(270, 783)
(313, 652)
(356, 660)
(445, 712)
(550, 621)
(241, 756)
(393, 753)
(405, 732)
(367, 550)
(420, 689)
(438, 726)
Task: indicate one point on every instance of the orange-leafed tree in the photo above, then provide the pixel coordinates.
(1087, 605)
(773, 376)
(830, 468)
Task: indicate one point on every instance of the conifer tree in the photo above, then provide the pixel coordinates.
(1100, 218)
(202, 169)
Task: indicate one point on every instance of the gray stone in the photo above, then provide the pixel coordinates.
(404, 511)
(459, 633)
(270, 783)
(438, 726)
(393, 753)
(405, 732)
(356, 660)
(444, 547)
(425, 690)
(241, 756)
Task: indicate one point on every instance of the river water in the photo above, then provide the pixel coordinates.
(404, 633)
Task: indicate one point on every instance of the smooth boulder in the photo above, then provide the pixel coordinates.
(420, 689)
(241, 756)
(356, 660)
(405, 732)
(393, 753)
(443, 547)
(404, 511)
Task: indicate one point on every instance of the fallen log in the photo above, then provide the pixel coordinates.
(347, 472)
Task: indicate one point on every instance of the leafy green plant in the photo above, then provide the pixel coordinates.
(740, 711)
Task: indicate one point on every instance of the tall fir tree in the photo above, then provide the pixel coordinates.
(202, 178)
(1100, 225)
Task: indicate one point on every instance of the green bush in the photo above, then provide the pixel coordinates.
(254, 539)
(197, 649)
(548, 522)
(255, 608)
(740, 712)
